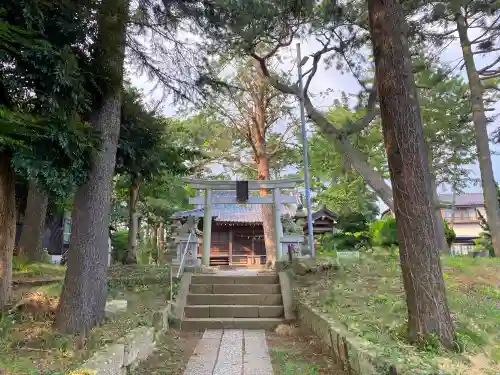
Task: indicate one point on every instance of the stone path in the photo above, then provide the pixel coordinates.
(231, 352)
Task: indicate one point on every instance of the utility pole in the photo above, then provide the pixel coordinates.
(310, 233)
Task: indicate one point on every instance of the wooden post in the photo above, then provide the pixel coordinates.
(207, 228)
(277, 221)
(230, 246)
(253, 247)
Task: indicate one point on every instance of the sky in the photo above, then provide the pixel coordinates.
(327, 86)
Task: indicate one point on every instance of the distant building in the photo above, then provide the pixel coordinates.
(238, 232)
(462, 217)
(56, 236)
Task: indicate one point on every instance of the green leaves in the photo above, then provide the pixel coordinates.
(338, 185)
(384, 232)
(445, 110)
(44, 55)
(58, 157)
(146, 146)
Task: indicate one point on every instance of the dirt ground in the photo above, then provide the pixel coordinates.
(171, 355)
(298, 353)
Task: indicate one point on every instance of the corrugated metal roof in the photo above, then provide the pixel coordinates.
(240, 213)
(465, 199)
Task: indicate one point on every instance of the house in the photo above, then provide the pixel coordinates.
(237, 230)
(463, 217)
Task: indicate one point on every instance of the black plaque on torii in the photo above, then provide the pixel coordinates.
(242, 191)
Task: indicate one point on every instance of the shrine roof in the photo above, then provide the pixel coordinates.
(325, 213)
(235, 213)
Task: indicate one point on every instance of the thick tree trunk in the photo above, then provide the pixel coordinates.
(267, 210)
(30, 243)
(83, 297)
(428, 312)
(7, 226)
(132, 223)
(482, 139)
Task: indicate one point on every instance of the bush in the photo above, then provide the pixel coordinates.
(449, 233)
(19, 263)
(384, 232)
(352, 233)
(119, 242)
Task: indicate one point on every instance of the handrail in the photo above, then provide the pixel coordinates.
(181, 266)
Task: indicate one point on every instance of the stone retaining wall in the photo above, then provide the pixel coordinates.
(128, 351)
(347, 350)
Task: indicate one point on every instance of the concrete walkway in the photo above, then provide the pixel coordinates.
(231, 352)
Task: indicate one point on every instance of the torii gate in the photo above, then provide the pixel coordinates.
(243, 188)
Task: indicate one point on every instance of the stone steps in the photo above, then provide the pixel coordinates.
(216, 279)
(234, 299)
(238, 302)
(233, 311)
(235, 288)
(200, 324)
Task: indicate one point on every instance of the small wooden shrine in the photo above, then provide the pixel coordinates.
(324, 221)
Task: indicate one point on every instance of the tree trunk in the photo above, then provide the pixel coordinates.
(428, 312)
(83, 297)
(154, 252)
(132, 222)
(482, 139)
(7, 226)
(267, 210)
(443, 244)
(30, 243)
(440, 232)
(161, 236)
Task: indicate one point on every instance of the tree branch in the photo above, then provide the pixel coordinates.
(488, 67)
(355, 157)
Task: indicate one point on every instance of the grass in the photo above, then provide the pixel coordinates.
(133, 274)
(171, 355)
(138, 274)
(368, 298)
(287, 365)
(28, 345)
(38, 271)
(297, 353)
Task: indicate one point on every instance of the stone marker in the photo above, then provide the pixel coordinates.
(108, 361)
(351, 256)
(139, 344)
(209, 270)
(115, 306)
(303, 265)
